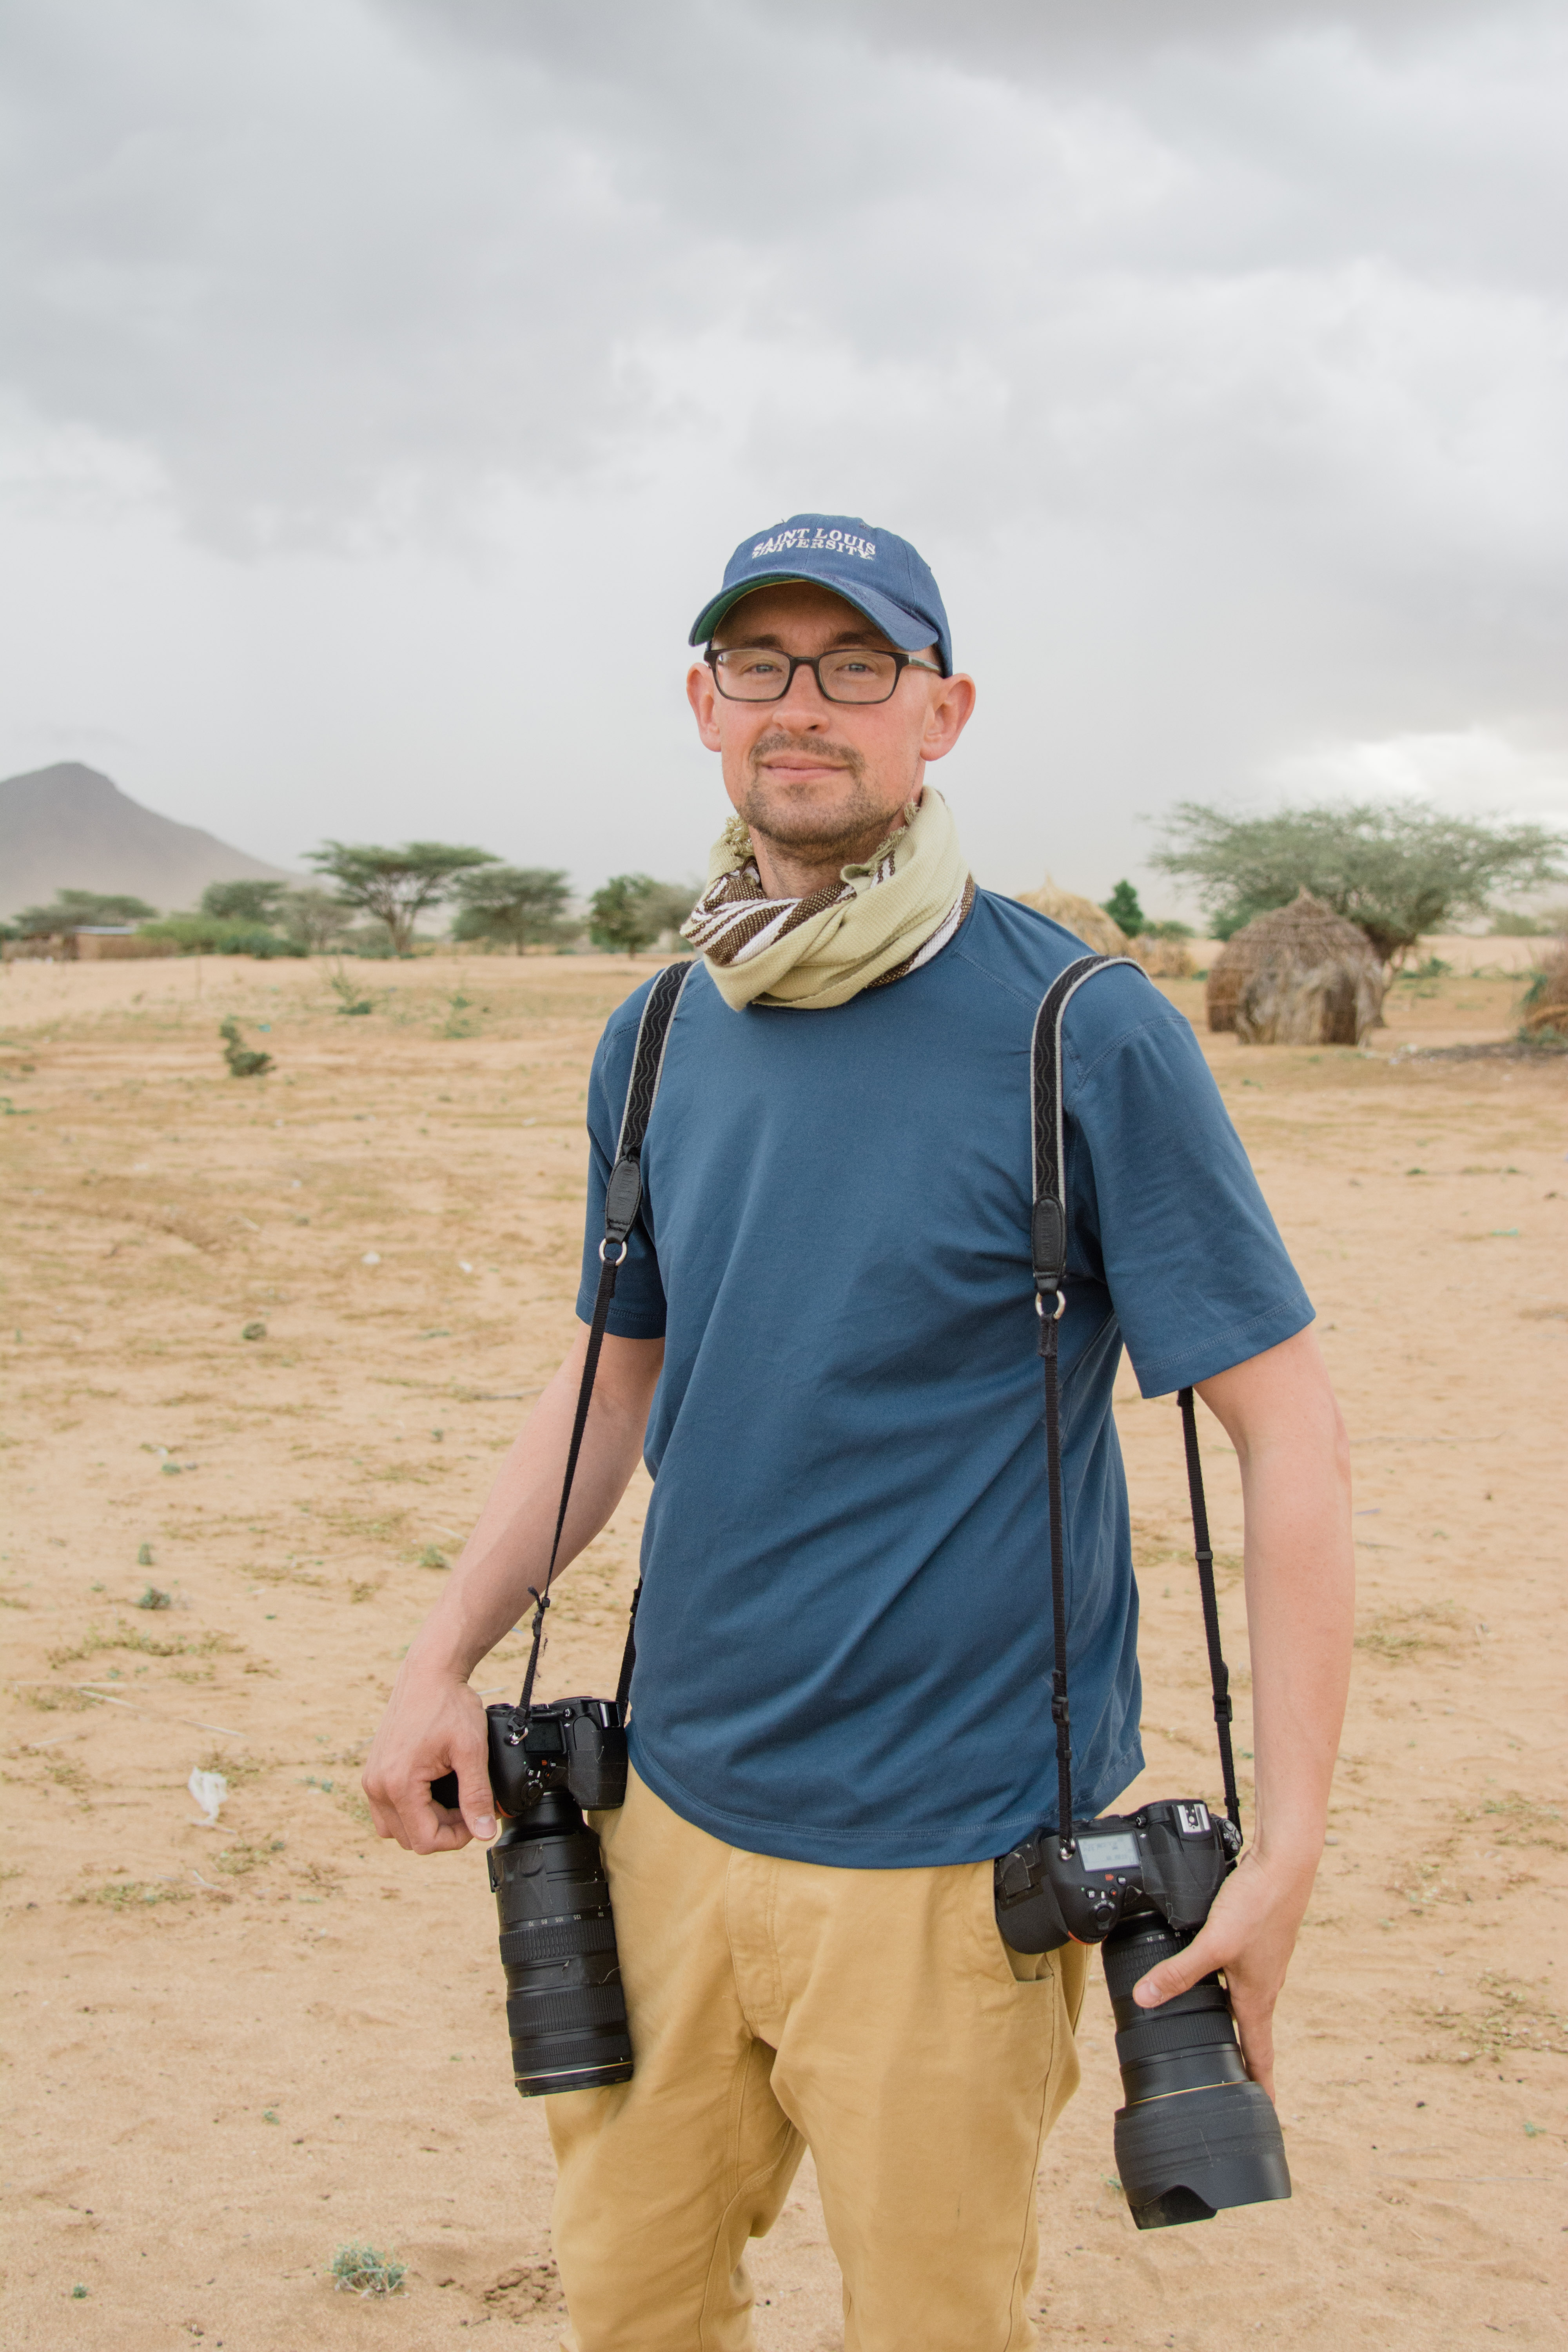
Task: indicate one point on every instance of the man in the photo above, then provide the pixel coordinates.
(823, 1341)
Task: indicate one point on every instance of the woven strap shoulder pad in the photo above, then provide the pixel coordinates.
(648, 1058)
(622, 1194)
(1048, 1222)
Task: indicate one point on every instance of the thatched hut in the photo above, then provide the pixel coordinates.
(1162, 959)
(1088, 922)
(1300, 975)
(1545, 1007)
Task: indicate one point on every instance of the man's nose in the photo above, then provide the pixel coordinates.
(803, 703)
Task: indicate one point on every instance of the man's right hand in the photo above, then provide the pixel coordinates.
(434, 1725)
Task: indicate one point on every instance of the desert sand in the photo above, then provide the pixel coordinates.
(210, 2089)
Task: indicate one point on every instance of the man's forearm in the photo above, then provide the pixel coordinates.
(434, 1722)
(505, 1560)
(1301, 1603)
(1279, 1413)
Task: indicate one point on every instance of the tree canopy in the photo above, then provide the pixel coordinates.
(1397, 872)
(243, 902)
(672, 902)
(72, 909)
(632, 910)
(395, 886)
(521, 906)
(1124, 910)
(315, 918)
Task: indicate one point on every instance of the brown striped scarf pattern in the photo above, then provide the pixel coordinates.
(880, 921)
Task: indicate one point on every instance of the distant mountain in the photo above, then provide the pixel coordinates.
(68, 828)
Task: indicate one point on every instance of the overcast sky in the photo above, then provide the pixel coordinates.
(385, 382)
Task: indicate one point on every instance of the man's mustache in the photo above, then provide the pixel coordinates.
(778, 739)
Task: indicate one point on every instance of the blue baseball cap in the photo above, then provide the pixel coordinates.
(877, 572)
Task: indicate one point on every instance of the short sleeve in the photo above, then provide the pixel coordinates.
(1172, 1219)
(638, 1310)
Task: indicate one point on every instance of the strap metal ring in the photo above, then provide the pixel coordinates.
(605, 1244)
(1056, 1312)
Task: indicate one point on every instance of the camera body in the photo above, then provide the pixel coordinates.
(1171, 1857)
(567, 2013)
(574, 1744)
(1196, 2135)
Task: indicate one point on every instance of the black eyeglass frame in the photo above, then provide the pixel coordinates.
(813, 662)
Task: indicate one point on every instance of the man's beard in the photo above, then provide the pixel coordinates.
(778, 816)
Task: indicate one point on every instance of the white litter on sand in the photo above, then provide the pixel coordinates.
(209, 1790)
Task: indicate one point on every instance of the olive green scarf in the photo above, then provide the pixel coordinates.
(877, 922)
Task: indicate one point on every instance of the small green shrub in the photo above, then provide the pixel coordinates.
(244, 1061)
(349, 1000)
(361, 2270)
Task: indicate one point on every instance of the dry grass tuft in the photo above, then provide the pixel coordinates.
(1401, 1633)
(239, 1861)
(132, 1894)
(130, 1637)
(236, 1769)
(1516, 1820)
(1514, 2020)
(268, 1573)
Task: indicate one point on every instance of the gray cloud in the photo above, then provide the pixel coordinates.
(1220, 369)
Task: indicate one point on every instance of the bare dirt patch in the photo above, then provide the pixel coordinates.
(240, 2050)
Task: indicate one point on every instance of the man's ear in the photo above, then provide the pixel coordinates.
(951, 708)
(704, 701)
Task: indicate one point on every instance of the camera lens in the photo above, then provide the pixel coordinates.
(1197, 2134)
(565, 2010)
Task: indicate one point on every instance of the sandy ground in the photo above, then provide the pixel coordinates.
(210, 2088)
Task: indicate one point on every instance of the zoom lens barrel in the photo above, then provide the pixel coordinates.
(1197, 2134)
(565, 2010)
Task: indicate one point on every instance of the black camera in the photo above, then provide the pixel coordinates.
(1197, 2134)
(565, 2010)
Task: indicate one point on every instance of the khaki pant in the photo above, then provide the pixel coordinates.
(874, 2016)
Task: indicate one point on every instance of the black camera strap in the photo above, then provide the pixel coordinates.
(1049, 1254)
(623, 1205)
(1219, 1672)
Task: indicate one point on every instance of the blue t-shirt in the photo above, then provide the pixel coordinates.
(844, 1642)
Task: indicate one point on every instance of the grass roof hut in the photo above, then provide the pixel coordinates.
(1087, 921)
(1545, 1007)
(1300, 975)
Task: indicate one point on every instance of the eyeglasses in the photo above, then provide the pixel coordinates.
(851, 673)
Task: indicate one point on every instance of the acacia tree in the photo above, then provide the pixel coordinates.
(395, 886)
(621, 916)
(671, 903)
(313, 918)
(632, 910)
(523, 905)
(1396, 872)
(243, 902)
(74, 908)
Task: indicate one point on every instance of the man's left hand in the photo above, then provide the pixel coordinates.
(1250, 1934)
